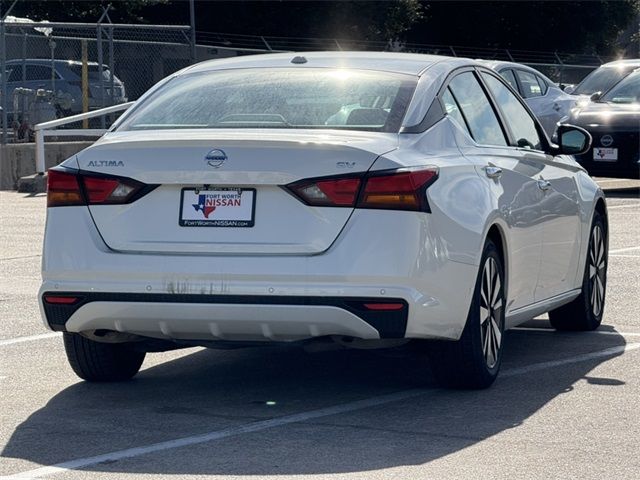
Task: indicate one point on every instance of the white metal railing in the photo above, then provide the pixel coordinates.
(47, 129)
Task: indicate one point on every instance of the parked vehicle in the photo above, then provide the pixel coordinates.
(546, 99)
(605, 77)
(367, 198)
(65, 80)
(613, 120)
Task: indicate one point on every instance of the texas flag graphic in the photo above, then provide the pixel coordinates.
(206, 204)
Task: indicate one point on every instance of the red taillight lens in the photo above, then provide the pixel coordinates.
(108, 190)
(399, 191)
(395, 190)
(337, 192)
(72, 188)
(63, 189)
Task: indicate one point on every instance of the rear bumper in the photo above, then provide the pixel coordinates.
(226, 317)
(277, 297)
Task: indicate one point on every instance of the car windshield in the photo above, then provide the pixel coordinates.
(601, 80)
(627, 91)
(278, 98)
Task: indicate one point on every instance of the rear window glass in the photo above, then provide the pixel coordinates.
(278, 98)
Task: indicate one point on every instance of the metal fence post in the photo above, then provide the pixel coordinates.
(100, 78)
(192, 41)
(3, 78)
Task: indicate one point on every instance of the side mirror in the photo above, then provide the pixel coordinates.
(572, 140)
(595, 96)
(569, 89)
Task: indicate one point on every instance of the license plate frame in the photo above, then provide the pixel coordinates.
(198, 218)
(605, 154)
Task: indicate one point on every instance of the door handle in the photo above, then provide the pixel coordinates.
(492, 172)
(544, 184)
(556, 107)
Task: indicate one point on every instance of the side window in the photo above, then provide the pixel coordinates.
(15, 75)
(38, 72)
(474, 104)
(529, 84)
(516, 116)
(543, 84)
(510, 78)
(452, 108)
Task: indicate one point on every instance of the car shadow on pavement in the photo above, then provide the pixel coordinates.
(211, 390)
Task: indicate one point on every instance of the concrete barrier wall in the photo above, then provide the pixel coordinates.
(19, 159)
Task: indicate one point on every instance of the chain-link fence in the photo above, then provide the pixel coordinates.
(43, 68)
(43, 63)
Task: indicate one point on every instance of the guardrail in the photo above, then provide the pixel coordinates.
(47, 129)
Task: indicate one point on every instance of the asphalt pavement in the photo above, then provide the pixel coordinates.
(566, 406)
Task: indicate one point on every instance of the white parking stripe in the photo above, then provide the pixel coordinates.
(624, 206)
(624, 256)
(595, 332)
(289, 419)
(30, 338)
(626, 249)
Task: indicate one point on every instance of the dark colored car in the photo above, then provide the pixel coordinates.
(605, 77)
(614, 123)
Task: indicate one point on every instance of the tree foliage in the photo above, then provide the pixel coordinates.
(576, 26)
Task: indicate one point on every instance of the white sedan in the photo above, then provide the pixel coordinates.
(367, 198)
(546, 99)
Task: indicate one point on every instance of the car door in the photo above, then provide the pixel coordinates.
(510, 178)
(558, 203)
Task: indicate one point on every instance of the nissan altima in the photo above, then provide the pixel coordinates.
(367, 198)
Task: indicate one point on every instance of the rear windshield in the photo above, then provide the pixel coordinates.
(601, 80)
(278, 98)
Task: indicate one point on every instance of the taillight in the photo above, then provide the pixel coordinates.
(403, 189)
(336, 192)
(67, 188)
(63, 189)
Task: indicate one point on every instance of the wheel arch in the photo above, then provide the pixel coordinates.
(496, 234)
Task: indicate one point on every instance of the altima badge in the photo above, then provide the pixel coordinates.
(216, 158)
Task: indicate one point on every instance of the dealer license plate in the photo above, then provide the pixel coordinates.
(217, 207)
(605, 154)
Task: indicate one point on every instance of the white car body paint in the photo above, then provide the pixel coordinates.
(430, 260)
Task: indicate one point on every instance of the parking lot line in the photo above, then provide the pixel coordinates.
(626, 249)
(289, 419)
(595, 332)
(30, 338)
(623, 206)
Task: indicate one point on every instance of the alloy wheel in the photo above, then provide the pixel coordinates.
(491, 305)
(597, 270)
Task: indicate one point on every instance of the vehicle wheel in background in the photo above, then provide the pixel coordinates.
(585, 312)
(474, 360)
(101, 362)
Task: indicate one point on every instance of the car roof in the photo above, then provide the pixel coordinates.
(499, 64)
(627, 62)
(406, 63)
(47, 62)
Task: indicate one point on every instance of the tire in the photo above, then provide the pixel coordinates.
(473, 362)
(585, 312)
(101, 362)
